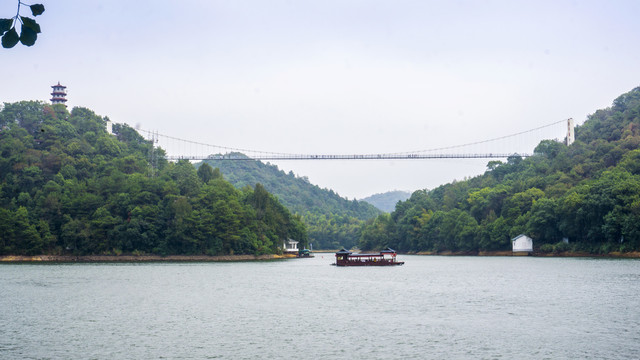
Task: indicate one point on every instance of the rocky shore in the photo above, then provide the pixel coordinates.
(228, 258)
(138, 258)
(633, 254)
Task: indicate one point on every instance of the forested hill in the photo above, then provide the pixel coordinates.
(69, 187)
(332, 221)
(587, 193)
(387, 201)
(296, 193)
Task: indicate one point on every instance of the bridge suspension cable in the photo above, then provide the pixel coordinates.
(231, 153)
(488, 140)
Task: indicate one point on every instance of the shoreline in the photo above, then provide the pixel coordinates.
(611, 255)
(135, 258)
(232, 258)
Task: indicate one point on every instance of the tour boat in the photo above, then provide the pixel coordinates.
(386, 257)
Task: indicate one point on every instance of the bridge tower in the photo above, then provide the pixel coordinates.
(571, 136)
(153, 159)
(59, 94)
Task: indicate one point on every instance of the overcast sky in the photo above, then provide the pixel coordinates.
(334, 77)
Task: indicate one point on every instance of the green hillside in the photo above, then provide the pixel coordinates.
(332, 221)
(69, 187)
(587, 193)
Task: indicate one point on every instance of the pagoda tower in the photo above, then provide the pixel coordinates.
(59, 94)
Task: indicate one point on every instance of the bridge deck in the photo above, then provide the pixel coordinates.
(348, 157)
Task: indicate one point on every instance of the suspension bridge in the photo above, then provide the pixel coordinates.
(183, 149)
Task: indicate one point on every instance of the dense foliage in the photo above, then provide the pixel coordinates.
(332, 221)
(69, 187)
(587, 193)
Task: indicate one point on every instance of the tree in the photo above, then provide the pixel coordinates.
(520, 203)
(205, 172)
(26, 234)
(29, 27)
(7, 229)
(549, 148)
(66, 186)
(494, 235)
(377, 233)
(486, 200)
(542, 224)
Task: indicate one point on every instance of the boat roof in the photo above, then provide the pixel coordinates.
(383, 252)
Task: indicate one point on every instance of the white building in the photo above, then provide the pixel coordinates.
(522, 243)
(290, 246)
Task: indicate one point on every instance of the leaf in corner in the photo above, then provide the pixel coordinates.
(10, 38)
(37, 9)
(28, 36)
(5, 25)
(30, 23)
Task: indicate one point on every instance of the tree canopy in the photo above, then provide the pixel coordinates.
(69, 187)
(332, 221)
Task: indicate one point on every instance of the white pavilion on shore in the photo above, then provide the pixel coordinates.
(290, 246)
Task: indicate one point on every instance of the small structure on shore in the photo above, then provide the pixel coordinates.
(290, 246)
(522, 244)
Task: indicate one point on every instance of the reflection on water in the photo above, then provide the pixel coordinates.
(432, 307)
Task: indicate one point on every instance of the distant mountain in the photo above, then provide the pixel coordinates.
(387, 201)
(332, 221)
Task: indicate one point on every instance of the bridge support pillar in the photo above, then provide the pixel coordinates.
(571, 136)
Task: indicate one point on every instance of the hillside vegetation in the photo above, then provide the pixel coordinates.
(587, 193)
(69, 187)
(332, 221)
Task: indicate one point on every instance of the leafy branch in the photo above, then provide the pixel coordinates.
(29, 28)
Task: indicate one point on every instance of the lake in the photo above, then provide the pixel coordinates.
(433, 307)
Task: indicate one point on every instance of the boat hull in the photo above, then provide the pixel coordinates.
(369, 263)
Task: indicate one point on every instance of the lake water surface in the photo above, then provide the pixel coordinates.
(431, 308)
